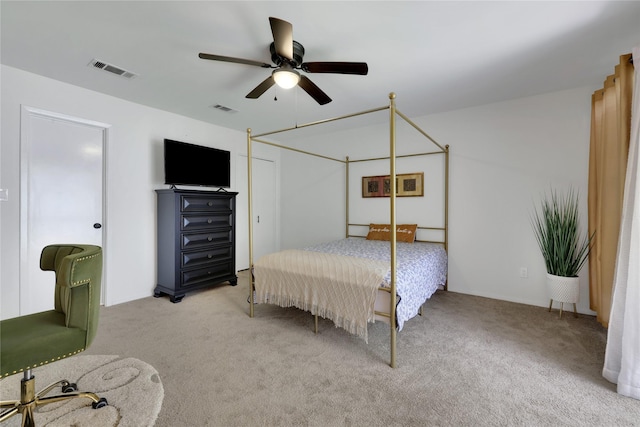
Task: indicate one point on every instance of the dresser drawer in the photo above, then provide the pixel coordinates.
(198, 203)
(197, 240)
(210, 273)
(213, 220)
(196, 258)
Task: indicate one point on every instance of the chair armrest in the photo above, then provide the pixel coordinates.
(80, 268)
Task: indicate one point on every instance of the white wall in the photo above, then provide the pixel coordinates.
(312, 201)
(134, 170)
(504, 157)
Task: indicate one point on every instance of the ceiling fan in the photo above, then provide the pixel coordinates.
(287, 55)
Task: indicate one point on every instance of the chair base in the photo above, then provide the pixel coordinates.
(30, 400)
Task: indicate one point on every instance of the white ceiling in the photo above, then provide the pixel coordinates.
(436, 56)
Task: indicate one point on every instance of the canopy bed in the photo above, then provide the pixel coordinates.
(386, 276)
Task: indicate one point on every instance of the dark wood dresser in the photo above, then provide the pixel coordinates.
(196, 240)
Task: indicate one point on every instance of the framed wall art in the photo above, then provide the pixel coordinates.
(407, 185)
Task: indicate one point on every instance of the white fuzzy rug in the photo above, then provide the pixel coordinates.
(132, 388)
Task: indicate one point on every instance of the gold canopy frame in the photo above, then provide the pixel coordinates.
(393, 112)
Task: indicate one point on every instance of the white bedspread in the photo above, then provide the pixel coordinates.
(323, 284)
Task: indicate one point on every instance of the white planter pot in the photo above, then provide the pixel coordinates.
(563, 289)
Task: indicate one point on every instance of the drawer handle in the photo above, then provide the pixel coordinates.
(209, 203)
(210, 238)
(209, 221)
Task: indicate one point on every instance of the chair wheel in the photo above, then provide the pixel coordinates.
(100, 403)
(71, 387)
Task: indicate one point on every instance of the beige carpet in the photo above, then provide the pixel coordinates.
(468, 361)
(132, 388)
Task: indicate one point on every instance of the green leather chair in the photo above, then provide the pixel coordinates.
(27, 342)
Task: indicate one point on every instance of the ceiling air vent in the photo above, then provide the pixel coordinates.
(223, 108)
(112, 69)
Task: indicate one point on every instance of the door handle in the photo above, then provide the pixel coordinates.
(97, 225)
(258, 219)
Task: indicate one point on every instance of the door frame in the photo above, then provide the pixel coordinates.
(26, 113)
(241, 159)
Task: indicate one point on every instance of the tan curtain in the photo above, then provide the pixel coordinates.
(622, 355)
(610, 131)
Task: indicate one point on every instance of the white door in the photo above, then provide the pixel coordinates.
(62, 194)
(264, 210)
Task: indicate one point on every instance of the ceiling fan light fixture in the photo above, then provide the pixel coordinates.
(286, 77)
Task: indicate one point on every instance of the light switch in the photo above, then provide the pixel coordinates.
(4, 194)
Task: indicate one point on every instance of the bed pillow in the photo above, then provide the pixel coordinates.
(404, 232)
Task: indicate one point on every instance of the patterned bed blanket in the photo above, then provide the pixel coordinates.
(421, 269)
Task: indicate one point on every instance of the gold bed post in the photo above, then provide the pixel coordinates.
(446, 198)
(250, 215)
(446, 208)
(346, 229)
(392, 200)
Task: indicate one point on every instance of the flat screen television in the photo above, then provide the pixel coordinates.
(191, 164)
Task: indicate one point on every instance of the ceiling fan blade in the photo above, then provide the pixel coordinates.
(360, 68)
(231, 59)
(282, 37)
(261, 88)
(313, 90)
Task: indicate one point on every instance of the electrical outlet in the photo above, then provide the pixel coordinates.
(524, 273)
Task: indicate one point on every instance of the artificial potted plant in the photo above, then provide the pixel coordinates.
(557, 229)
